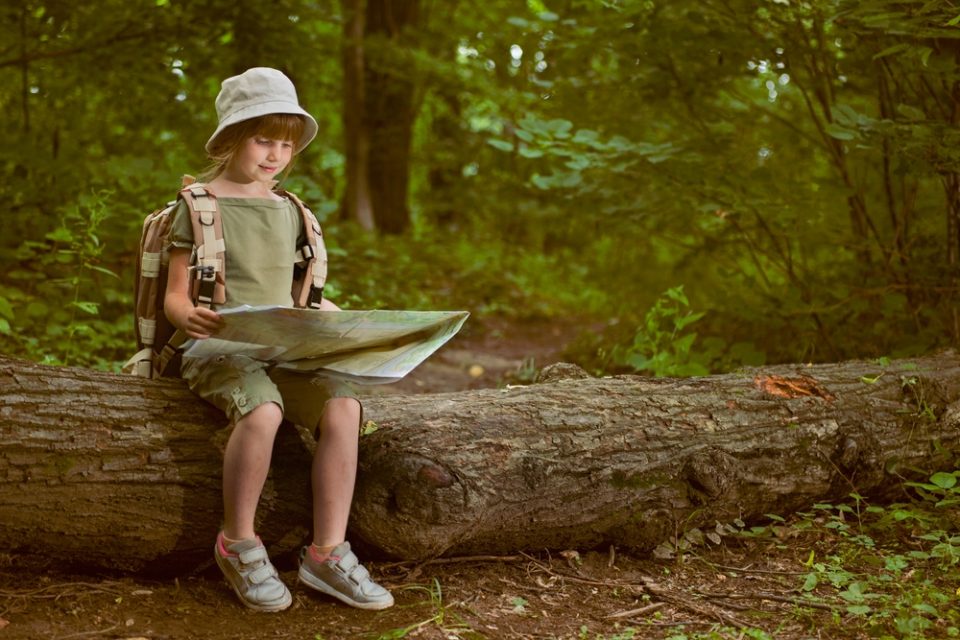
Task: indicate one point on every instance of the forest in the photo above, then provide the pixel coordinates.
(720, 183)
(687, 188)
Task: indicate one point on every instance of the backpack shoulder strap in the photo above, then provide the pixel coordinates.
(311, 259)
(209, 261)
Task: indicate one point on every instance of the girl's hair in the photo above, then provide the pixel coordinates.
(275, 126)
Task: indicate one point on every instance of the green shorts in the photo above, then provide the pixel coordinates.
(237, 385)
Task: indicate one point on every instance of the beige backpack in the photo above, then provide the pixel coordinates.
(158, 341)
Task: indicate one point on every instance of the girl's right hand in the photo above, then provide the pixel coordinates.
(200, 322)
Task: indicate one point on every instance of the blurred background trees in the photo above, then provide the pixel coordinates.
(717, 183)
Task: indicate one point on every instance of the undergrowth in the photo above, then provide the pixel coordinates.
(867, 570)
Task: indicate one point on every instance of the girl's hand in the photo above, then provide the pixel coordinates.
(200, 322)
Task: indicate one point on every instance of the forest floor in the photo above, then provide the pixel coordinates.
(743, 588)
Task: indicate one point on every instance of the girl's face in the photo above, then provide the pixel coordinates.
(260, 159)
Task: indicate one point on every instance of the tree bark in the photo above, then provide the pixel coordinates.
(390, 108)
(109, 472)
(357, 204)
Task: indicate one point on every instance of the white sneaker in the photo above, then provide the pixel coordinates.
(247, 568)
(342, 576)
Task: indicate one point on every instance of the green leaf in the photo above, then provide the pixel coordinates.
(502, 145)
(523, 134)
(944, 480)
(839, 133)
(889, 51)
(37, 309)
(94, 267)
(4, 327)
(518, 22)
(896, 563)
(859, 609)
(578, 163)
(559, 127)
(811, 582)
(529, 152)
(87, 307)
(542, 182)
(677, 294)
(683, 344)
(548, 16)
(690, 318)
(6, 309)
(911, 113)
(569, 179)
(587, 136)
(60, 234)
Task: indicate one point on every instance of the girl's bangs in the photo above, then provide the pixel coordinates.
(281, 126)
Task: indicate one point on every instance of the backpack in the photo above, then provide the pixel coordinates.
(158, 341)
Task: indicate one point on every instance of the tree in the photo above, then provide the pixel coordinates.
(131, 467)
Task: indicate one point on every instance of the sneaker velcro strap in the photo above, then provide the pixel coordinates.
(348, 562)
(262, 574)
(256, 554)
(359, 575)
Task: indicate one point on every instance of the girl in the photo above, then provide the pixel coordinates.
(261, 128)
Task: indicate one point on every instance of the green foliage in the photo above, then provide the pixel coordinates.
(942, 489)
(60, 284)
(440, 616)
(794, 164)
(662, 345)
(893, 568)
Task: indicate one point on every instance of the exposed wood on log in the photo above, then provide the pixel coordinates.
(108, 471)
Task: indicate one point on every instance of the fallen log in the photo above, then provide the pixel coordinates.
(102, 471)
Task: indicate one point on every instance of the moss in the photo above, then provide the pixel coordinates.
(61, 465)
(621, 480)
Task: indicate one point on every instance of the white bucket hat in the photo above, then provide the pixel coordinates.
(258, 92)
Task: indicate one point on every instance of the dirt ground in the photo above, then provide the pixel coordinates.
(571, 594)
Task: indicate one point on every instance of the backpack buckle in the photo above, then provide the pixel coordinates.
(316, 297)
(207, 277)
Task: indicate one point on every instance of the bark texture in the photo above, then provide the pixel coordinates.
(111, 472)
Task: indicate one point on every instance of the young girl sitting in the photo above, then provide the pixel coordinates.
(261, 128)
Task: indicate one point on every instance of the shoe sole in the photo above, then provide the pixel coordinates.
(261, 608)
(309, 580)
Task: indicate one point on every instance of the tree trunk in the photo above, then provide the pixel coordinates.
(104, 471)
(357, 204)
(390, 108)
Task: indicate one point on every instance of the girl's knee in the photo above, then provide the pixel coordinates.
(341, 413)
(265, 417)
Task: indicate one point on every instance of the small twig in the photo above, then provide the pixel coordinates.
(35, 593)
(660, 623)
(455, 560)
(637, 612)
(766, 596)
(84, 634)
(613, 557)
(567, 576)
(748, 570)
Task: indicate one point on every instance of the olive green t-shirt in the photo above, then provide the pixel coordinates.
(261, 237)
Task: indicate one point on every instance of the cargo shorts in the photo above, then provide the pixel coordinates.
(238, 384)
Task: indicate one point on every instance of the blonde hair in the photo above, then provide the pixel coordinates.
(275, 126)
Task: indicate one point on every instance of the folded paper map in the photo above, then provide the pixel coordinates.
(370, 347)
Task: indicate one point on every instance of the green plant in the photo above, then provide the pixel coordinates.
(61, 284)
(941, 489)
(662, 345)
(439, 615)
